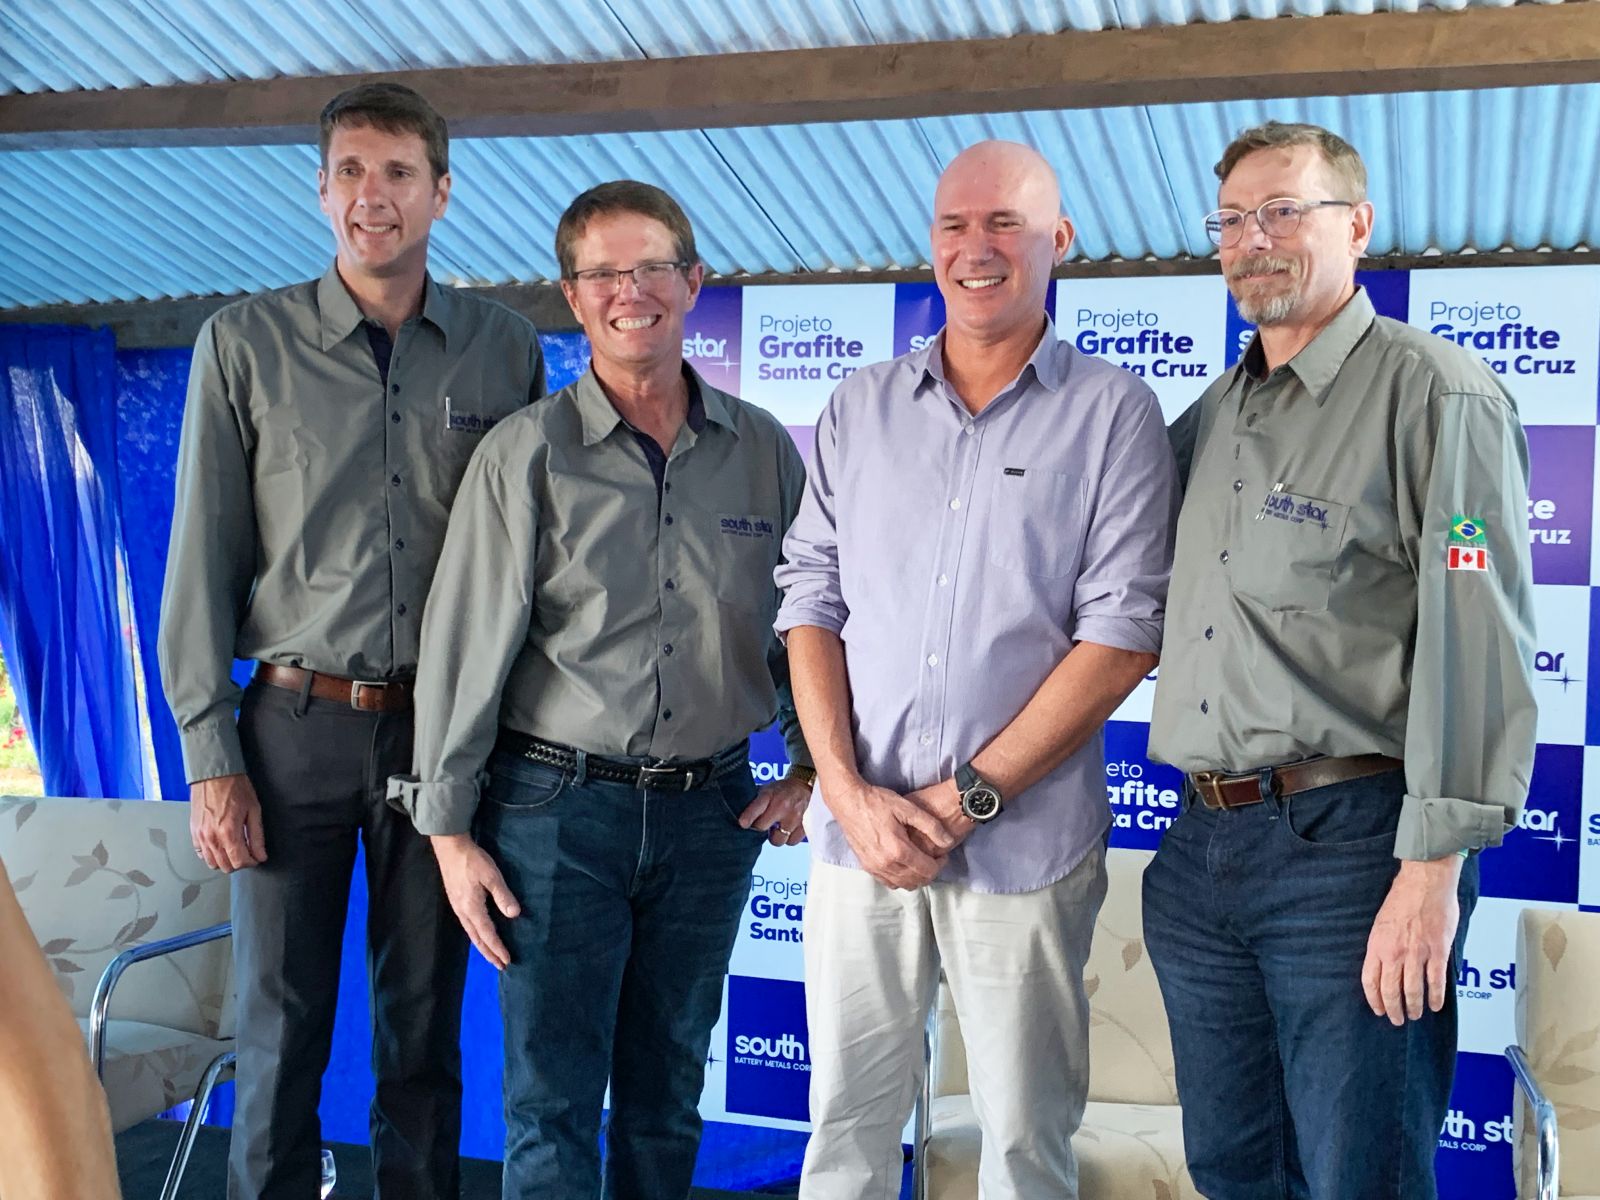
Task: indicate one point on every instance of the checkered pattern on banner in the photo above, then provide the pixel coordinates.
(786, 347)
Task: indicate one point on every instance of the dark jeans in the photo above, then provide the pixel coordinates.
(1257, 921)
(319, 769)
(630, 905)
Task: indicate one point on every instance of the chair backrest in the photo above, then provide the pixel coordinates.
(1558, 1028)
(95, 877)
(1130, 1049)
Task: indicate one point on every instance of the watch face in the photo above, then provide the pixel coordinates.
(981, 803)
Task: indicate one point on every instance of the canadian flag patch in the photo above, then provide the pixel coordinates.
(1467, 558)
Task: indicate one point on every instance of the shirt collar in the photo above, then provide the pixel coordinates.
(1048, 360)
(600, 417)
(1317, 365)
(341, 316)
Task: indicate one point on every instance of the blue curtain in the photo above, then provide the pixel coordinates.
(150, 389)
(61, 627)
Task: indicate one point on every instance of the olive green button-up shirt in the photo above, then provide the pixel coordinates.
(576, 604)
(311, 498)
(1353, 576)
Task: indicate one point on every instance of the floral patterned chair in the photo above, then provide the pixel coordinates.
(135, 929)
(1130, 1145)
(1557, 1055)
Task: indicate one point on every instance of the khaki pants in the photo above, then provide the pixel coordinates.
(1015, 968)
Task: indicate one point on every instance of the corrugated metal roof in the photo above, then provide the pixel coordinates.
(61, 45)
(1450, 172)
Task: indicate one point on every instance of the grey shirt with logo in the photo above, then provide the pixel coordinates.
(577, 603)
(312, 493)
(1353, 576)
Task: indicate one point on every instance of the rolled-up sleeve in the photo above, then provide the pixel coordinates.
(1472, 720)
(211, 565)
(809, 573)
(1120, 597)
(475, 622)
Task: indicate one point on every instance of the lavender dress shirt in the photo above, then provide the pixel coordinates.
(959, 559)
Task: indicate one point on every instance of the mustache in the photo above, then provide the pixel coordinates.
(1262, 264)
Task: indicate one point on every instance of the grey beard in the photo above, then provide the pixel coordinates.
(1271, 310)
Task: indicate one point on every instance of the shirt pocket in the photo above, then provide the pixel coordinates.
(745, 548)
(1034, 522)
(1285, 550)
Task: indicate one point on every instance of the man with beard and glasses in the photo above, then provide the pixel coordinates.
(1346, 682)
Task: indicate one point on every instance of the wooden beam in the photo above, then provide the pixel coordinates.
(1247, 59)
(153, 324)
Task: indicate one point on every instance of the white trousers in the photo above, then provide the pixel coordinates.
(1015, 968)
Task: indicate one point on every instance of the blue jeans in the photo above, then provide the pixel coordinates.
(630, 905)
(1257, 921)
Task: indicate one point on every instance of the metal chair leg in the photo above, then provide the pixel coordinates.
(191, 1126)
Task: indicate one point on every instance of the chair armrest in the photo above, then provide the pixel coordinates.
(1544, 1115)
(101, 1003)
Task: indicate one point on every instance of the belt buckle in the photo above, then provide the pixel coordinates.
(653, 771)
(355, 690)
(1209, 786)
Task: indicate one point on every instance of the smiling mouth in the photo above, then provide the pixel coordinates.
(366, 227)
(628, 324)
(978, 285)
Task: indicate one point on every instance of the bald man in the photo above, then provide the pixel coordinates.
(991, 517)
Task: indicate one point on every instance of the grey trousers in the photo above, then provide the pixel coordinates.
(319, 769)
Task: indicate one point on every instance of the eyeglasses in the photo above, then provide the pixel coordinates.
(1278, 219)
(647, 276)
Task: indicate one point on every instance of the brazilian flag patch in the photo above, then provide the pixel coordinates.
(1466, 531)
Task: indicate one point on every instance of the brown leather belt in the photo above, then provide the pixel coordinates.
(1217, 789)
(367, 695)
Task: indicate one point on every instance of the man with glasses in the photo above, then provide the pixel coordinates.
(600, 639)
(1346, 681)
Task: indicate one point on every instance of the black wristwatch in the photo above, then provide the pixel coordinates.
(980, 800)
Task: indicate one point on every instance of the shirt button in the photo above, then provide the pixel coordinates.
(933, 660)
(394, 389)
(395, 417)
(1209, 632)
(670, 586)
(669, 518)
(943, 580)
(395, 479)
(667, 486)
(1223, 557)
(399, 543)
(967, 431)
(666, 714)
(955, 504)
(667, 648)
(1237, 484)
(401, 610)
(1204, 707)
(927, 739)
(1250, 420)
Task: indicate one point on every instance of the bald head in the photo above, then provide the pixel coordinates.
(1016, 176)
(997, 233)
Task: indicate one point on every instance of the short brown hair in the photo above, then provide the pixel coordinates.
(1349, 173)
(392, 108)
(622, 196)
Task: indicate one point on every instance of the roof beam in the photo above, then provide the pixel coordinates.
(1477, 47)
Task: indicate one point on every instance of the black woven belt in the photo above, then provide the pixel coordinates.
(661, 776)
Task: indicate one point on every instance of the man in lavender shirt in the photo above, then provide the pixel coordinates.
(975, 580)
